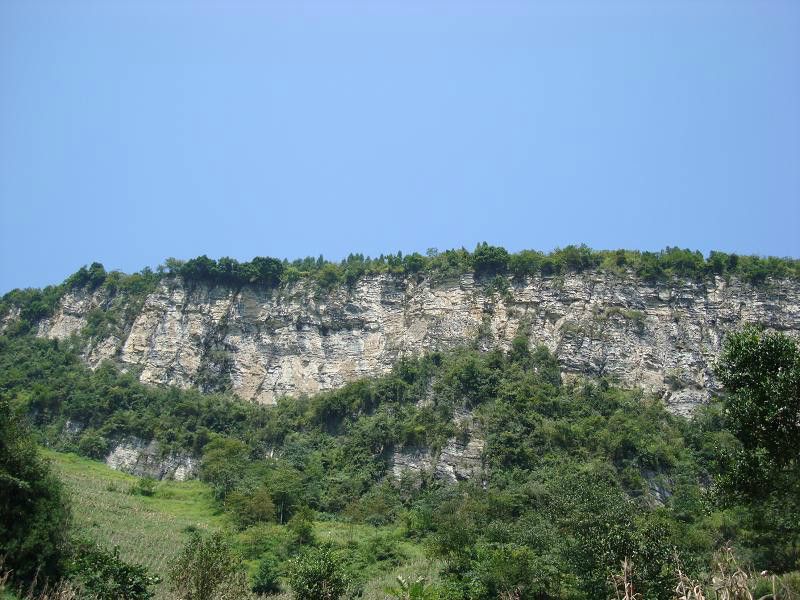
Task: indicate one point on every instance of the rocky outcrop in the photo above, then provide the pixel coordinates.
(71, 316)
(295, 340)
(460, 459)
(145, 459)
(457, 461)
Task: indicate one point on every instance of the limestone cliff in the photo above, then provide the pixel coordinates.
(267, 343)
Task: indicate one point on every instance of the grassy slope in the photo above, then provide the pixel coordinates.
(152, 530)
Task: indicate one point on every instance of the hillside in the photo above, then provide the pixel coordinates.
(505, 474)
(151, 530)
(268, 329)
(492, 465)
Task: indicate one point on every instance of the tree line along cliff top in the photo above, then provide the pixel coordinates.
(485, 262)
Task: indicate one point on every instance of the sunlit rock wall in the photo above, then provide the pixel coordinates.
(298, 340)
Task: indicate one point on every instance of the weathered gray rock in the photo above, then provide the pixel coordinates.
(460, 459)
(457, 461)
(269, 343)
(144, 459)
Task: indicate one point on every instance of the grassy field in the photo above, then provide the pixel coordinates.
(148, 530)
(152, 530)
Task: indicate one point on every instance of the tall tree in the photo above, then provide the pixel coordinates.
(761, 374)
(34, 514)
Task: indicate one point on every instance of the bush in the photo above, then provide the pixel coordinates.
(317, 574)
(302, 526)
(407, 589)
(144, 486)
(103, 575)
(251, 508)
(93, 445)
(489, 260)
(266, 578)
(208, 569)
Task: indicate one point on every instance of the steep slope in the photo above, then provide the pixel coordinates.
(296, 339)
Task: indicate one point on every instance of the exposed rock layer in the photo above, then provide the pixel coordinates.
(297, 340)
(145, 460)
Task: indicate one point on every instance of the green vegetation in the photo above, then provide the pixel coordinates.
(124, 293)
(317, 574)
(486, 261)
(34, 513)
(208, 569)
(153, 530)
(761, 373)
(577, 477)
(103, 575)
(37, 543)
(149, 530)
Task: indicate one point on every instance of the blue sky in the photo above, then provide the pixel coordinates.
(134, 131)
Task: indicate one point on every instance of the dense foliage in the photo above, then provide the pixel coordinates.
(34, 513)
(125, 293)
(317, 574)
(208, 569)
(37, 548)
(102, 575)
(761, 374)
(577, 476)
(485, 261)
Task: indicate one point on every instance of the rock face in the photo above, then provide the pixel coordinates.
(457, 461)
(145, 460)
(297, 340)
(460, 459)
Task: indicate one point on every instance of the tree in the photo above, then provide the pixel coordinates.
(266, 270)
(224, 465)
(286, 487)
(34, 514)
(489, 260)
(208, 569)
(761, 374)
(317, 574)
(329, 276)
(302, 526)
(250, 508)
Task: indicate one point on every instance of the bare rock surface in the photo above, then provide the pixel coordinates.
(297, 340)
(144, 459)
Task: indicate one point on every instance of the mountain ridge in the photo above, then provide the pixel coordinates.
(264, 343)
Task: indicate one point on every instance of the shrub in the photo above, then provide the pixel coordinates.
(251, 508)
(208, 569)
(302, 526)
(266, 578)
(407, 589)
(144, 486)
(103, 575)
(317, 574)
(93, 445)
(489, 260)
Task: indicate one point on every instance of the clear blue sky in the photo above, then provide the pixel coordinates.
(134, 131)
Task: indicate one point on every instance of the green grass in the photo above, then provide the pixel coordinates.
(153, 530)
(148, 530)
